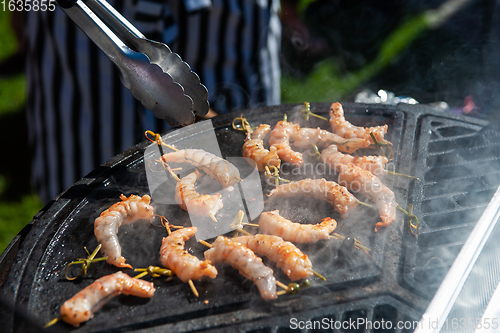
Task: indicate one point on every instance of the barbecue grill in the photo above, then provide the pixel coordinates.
(455, 157)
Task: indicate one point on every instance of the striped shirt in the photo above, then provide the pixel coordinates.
(80, 115)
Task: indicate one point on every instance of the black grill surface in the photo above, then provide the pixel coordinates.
(456, 159)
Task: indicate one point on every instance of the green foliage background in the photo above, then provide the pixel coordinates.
(17, 203)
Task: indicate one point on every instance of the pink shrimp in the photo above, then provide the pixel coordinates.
(285, 133)
(334, 159)
(106, 226)
(88, 301)
(306, 137)
(275, 224)
(338, 196)
(246, 262)
(193, 202)
(254, 148)
(372, 188)
(345, 129)
(186, 266)
(295, 264)
(281, 136)
(216, 167)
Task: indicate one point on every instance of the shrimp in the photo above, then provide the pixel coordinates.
(295, 264)
(273, 223)
(345, 129)
(285, 133)
(193, 202)
(334, 159)
(106, 226)
(281, 136)
(216, 167)
(187, 267)
(246, 262)
(372, 188)
(338, 196)
(306, 137)
(88, 301)
(254, 148)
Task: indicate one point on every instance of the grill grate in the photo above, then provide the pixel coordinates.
(456, 158)
(458, 164)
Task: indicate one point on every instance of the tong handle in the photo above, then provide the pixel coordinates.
(148, 83)
(158, 53)
(119, 24)
(96, 30)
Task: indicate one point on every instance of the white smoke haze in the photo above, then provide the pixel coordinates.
(246, 195)
(249, 194)
(321, 170)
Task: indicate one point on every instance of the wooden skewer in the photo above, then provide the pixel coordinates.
(356, 242)
(275, 174)
(281, 285)
(411, 217)
(154, 271)
(293, 288)
(246, 232)
(364, 204)
(236, 224)
(306, 112)
(165, 223)
(401, 174)
(245, 125)
(53, 321)
(141, 275)
(207, 244)
(84, 262)
(379, 145)
(318, 275)
(158, 140)
(251, 224)
(193, 288)
(170, 170)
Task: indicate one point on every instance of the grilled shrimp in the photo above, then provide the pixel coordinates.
(334, 159)
(88, 301)
(345, 129)
(338, 196)
(254, 148)
(187, 267)
(216, 167)
(372, 188)
(306, 137)
(281, 136)
(106, 225)
(193, 202)
(295, 264)
(246, 262)
(285, 133)
(275, 224)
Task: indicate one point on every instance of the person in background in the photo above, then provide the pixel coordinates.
(79, 113)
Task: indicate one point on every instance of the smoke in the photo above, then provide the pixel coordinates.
(248, 195)
(245, 194)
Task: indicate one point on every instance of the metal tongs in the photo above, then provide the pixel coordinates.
(155, 75)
